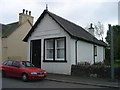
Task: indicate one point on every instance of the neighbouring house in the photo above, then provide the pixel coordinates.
(54, 44)
(12, 35)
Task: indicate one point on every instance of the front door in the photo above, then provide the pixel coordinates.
(35, 53)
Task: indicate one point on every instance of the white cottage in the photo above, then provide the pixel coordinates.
(56, 43)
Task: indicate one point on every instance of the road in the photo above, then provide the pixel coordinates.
(17, 83)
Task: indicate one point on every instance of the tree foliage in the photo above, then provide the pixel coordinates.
(99, 30)
(116, 40)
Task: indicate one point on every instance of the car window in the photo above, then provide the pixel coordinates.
(27, 64)
(16, 64)
(5, 63)
(9, 63)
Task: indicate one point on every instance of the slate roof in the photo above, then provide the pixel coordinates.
(75, 31)
(9, 28)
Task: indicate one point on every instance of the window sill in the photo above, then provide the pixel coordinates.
(65, 61)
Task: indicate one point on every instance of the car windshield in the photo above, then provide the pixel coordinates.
(27, 64)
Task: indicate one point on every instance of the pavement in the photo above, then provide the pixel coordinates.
(84, 80)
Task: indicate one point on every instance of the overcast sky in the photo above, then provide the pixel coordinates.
(81, 12)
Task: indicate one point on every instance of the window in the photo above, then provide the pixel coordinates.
(95, 50)
(9, 63)
(55, 49)
(60, 49)
(27, 64)
(49, 49)
(5, 63)
(16, 64)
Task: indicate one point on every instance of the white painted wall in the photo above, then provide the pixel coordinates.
(85, 52)
(72, 51)
(100, 54)
(48, 28)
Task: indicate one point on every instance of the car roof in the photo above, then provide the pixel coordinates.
(18, 60)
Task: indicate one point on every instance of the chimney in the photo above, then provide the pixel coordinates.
(26, 11)
(91, 29)
(23, 11)
(30, 13)
(25, 16)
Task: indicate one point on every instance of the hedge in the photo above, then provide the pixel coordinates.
(101, 71)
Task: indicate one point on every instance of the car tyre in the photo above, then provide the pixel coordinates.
(24, 77)
(3, 74)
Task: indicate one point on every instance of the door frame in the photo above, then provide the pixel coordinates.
(31, 50)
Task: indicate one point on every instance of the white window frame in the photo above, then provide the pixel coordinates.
(56, 57)
(48, 49)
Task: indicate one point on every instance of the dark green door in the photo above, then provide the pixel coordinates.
(35, 52)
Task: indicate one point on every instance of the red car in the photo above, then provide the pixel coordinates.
(23, 69)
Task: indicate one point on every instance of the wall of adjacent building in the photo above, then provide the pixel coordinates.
(13, 46)
(16, 48)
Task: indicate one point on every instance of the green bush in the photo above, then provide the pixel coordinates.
(101, 71)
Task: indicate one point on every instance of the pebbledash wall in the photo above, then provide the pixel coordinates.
(48, 28)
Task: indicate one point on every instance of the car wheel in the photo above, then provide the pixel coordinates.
(24, 77)
(3, 74)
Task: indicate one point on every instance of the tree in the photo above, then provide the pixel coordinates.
(116, 40)
(99, 30)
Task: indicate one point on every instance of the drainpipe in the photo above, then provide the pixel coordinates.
(76, 51)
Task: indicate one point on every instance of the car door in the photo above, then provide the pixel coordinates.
(8, 68)
(16, 69)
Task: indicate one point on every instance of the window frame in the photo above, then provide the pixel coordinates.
(49, 49)
(54, 50)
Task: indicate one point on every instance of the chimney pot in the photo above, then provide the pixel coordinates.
(29, 12)
(91, 25)
(23, 11)
(26, 11)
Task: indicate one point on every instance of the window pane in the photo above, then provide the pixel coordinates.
(49, 53)
(49, 44)
(60, 43)
(95, 50)
(60, 53)
(9, 63)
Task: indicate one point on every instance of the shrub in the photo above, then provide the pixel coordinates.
(101, 71)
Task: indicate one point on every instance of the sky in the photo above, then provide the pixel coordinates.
(80, 12)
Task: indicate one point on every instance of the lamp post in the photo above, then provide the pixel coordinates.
(112, 52)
